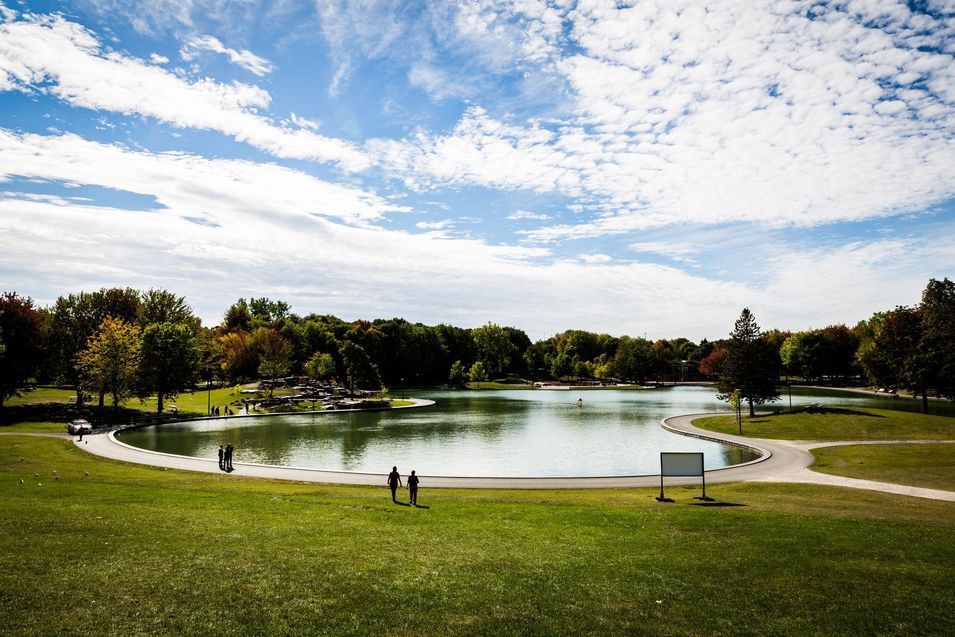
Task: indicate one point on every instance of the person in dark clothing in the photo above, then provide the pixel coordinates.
(221, 457)
(394, 481)
(229, 449)
(413, 488)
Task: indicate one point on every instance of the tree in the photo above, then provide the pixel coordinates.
(320, 367)
(936, 348)
(635, 359)
(712, 363)
(110, 363)
(494, 347)
(751, 364)
(275, 354)
(478, 373)
(21, 330)
(360, 371)
(237, 356)
(162, 306)
(457, 375)
(169, 362)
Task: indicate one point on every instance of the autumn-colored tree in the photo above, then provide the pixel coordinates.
(110, 362)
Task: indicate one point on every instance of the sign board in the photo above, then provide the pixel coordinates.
(681, 464)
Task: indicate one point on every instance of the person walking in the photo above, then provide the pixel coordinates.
(413, 488)
(394, 481)
(229, 449)
(221, 457)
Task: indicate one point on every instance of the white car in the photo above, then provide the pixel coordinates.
(79, 427)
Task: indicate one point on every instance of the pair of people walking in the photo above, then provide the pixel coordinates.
(394, 481)
(225, 457)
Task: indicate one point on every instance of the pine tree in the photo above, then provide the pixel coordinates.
(751, 365)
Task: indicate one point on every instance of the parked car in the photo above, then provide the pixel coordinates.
(79, 426)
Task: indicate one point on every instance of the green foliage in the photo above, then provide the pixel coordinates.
(170, 361)
(321, 367)
(275, 354)
(162, 306)
(634, 360)
(237, 356)
(478, 372)
(494, 347)
(360, 371)
(458, 374)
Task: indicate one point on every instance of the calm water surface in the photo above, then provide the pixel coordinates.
(483, 433)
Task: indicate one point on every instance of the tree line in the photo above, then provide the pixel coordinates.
(123, 343)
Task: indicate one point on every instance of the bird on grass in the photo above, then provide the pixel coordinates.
(21, 480)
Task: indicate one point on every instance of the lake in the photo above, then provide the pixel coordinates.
(519, 433)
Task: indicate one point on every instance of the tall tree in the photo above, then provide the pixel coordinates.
(494, 347)
(751, 365)
(275, 354)
(936, 348)
(360, 371)
(21, 328)
(110, 363)
(170, 361)
(162, 306)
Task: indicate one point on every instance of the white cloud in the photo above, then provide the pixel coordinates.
(243, 58)
(527, 214)
(155, 58)
(592, 259)
(724, 111)
(676, 251)
(189, 184)
(62, 58)
(223, 229)
(435, 225)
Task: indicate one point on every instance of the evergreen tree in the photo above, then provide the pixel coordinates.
(751, 365)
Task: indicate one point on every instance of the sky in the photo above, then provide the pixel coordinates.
(641, 168)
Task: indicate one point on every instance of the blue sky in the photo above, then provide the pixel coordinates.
(645, 167)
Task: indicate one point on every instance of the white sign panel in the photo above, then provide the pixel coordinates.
(681, 464)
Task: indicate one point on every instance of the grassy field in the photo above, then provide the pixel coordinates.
(188, 402)
(929, 465)
(130, 550)
(838, 424)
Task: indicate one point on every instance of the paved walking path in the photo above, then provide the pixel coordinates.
(779, 461)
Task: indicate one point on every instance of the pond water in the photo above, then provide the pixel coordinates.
(485, 433)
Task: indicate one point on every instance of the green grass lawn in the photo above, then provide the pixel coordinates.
(838, 424)
(133, 550)
(917, 465)
(188, 402)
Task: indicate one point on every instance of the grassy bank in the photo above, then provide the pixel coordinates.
(838, 424)
(930, 465)
(132, 550)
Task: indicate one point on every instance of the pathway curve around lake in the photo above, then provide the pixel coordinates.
(780, 461)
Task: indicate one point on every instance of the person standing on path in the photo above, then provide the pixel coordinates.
(394, 481)
(229, 449)
(221, 457)
(413, 488)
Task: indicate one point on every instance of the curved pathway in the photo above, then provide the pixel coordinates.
(780, 461)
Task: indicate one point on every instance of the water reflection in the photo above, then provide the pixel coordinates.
(508, 433)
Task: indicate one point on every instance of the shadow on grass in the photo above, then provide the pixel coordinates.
(717, 504)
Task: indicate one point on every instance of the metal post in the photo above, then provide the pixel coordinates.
(661, 498)
(209, 396)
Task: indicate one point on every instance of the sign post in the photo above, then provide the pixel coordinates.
(680, 464)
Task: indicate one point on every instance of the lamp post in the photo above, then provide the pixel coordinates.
(402, 388)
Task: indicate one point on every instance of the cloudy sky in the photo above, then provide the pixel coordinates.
(634, 168)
